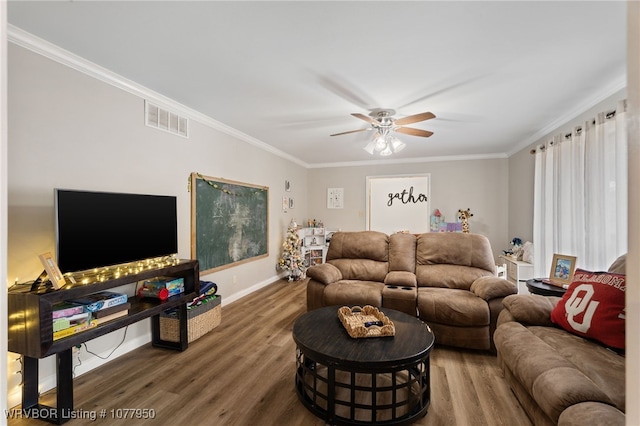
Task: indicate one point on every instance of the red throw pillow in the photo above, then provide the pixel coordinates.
(593, 307)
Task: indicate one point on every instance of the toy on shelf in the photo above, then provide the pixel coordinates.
(436, 220)
(438, 224)
(463, 216)
(516, 249)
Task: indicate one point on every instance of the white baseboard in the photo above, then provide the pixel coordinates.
(239, 295)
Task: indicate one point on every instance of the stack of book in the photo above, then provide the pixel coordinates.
(69, 318)
(78, 315)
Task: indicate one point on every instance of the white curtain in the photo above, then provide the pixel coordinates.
(580, 194)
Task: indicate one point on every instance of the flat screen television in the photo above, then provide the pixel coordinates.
(97, 229)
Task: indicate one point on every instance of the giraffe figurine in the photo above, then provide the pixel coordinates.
(464, 216)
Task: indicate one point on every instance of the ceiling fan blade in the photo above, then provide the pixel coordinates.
(414, 118)
(366, 118)
(413, 132)
(345, 89)
(446, 89)
(350, 131)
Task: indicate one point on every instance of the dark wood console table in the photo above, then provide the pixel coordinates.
(31, 326)
(376, 380)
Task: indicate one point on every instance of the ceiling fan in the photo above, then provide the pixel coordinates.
(382, 121)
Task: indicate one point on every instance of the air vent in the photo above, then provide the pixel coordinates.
(161, 119)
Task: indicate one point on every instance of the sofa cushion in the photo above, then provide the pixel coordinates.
(325, 273)
(602, 366)
(353, 293)
(492, 287)
(559, 369)
(370, 245)
(449, 276)
(473, 250)
(531, 309)
(361, 269)
(400, 279)
(586, 412)
(402, 252)
(619, 265)
(593, 307)
(452, 306)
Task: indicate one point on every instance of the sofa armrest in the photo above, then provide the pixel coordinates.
(324, 273)
(591, 413)
(491, 287)
(531, 309)
(401, 279)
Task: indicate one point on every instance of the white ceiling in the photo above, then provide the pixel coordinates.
(497, 75)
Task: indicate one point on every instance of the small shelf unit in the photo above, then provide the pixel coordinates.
(314, 246)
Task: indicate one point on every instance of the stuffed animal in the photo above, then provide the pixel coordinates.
(463, 216)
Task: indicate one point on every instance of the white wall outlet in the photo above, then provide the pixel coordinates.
(234, 280)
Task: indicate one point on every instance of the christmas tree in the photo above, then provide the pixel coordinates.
(291, 261)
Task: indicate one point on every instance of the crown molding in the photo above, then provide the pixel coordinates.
(409, 160)
(611, 89)
(51, 51)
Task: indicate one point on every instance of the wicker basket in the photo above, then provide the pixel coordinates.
(200, 320)
(365, 321)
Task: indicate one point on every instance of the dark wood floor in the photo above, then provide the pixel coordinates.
(242, 373)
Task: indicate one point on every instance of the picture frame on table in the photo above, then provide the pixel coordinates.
(53, 272)
(562, 269)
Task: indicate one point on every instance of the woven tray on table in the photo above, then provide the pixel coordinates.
(201, 319)
(367, 321)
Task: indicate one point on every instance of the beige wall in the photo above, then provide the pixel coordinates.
(69, 130)
(633, 266)
(480, 185)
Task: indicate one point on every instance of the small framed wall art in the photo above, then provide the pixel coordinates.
(335, 198)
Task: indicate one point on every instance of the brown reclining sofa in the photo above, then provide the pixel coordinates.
(446, 279)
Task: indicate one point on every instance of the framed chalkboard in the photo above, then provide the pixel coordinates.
(229, 222)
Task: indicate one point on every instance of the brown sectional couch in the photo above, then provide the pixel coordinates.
(446, 279)
(558, 377)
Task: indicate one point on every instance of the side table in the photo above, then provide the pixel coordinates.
(536, 286)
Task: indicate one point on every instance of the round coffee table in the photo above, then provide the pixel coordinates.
(536, 286)
(367, 380)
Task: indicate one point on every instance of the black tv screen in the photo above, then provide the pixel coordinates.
(96, 229)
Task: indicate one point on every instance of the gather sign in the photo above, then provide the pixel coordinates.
(399, 203)
(406, 197)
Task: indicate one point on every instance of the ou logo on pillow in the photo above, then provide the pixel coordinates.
(593, 307)
(580, 302)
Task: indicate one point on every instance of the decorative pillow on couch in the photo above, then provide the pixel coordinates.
(593, 307)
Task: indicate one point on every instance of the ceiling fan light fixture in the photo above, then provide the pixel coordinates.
(383, 122)
(370, 148)
(397, 145)
(386, 151)
(380, 143)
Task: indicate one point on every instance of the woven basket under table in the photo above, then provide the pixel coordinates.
(200, 320)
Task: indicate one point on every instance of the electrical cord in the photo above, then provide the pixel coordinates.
(73, 372)
(112, 351)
